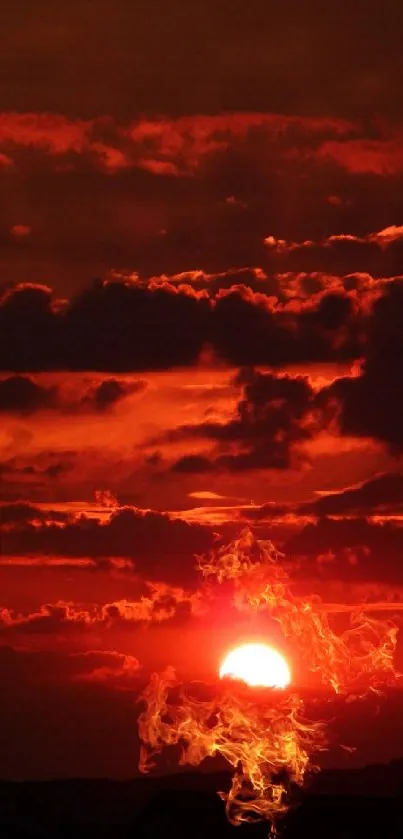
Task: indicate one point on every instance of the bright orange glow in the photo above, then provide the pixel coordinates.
(258, 665)
(264, 735)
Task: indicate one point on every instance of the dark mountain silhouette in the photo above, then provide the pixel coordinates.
(358, 804)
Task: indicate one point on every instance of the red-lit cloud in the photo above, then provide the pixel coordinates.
(161, 603)
(200, 329)
(161, 146)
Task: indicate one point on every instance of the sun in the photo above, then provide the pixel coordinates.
(258, 665)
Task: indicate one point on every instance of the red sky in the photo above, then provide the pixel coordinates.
(201, 321)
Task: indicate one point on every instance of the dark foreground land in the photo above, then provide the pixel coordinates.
(356, 804)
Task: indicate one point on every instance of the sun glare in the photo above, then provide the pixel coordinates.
(258, 665)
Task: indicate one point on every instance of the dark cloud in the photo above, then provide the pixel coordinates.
(158, 604)
(349, 549)
(383, 493)
(111, 668)
(268, 511)
(20, 474)
(158, 546)
(193, 463)
(108, 327)
(21, 513)
(273, 416)
(372, 403)
(167, 146)
(380, 254)
(164, 195)
(139, 325)
(380, 497)
(53, 667)
(22, 395)
(49, 619)
(109, 392)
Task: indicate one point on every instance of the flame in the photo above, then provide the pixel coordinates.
(263, 734)
(265, 737)
(363, 654)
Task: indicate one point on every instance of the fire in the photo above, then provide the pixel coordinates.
(362, 655)
(257, 665)
(263, 734)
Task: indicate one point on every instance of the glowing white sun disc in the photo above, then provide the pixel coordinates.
(258, 665)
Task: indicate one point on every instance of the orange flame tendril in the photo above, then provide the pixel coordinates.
(263, 734)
